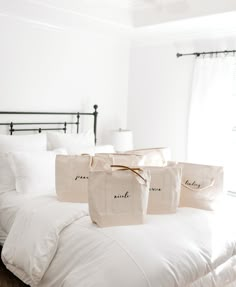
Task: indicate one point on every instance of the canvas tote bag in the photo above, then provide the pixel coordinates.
(103, 160)
(164, 191)
(118, 196)
(72, 173)
(202, 185)
(153, 156)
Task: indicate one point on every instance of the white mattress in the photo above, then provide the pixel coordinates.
(192, 248)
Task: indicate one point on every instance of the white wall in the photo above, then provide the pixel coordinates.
(47, 68)
(158, 98)
(53, 61)
(160, 91)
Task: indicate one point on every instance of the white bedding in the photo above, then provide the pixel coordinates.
(10, 203)
(3, 236)
(192, 248)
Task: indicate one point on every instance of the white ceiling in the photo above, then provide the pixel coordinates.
(210, 28)
(142, 17)
(138, 13)
(130, 13)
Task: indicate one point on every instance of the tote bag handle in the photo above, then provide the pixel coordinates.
(199, 189)
(134, 170)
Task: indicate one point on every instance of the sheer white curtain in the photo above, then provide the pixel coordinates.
(210, 113)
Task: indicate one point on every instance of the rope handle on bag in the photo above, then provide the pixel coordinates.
(124, 167)
(199, 189)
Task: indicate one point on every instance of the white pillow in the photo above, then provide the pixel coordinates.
(104, 149)
(34, 171)
(37, 142)
(72, 143)
(9, 143)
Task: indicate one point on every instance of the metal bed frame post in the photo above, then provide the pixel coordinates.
(11, 128)
(95, 123)
(77, 123)
(39, 129)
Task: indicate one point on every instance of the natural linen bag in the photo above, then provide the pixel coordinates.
(153, 156)
(118, 196)
(72, 173)
(202, 185)
(100, 160)
(164, 191)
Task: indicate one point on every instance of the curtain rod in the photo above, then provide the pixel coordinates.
(197, 54)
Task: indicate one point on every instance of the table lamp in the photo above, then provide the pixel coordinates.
(122, 140)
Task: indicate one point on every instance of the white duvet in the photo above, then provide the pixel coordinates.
(53, 244)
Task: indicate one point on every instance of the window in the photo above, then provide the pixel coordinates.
(212, 116)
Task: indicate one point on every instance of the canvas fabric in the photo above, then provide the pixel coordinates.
(105, 160)
(153, 156)
(202, 185)
(164, 191)
(118, 196)
(72, 172)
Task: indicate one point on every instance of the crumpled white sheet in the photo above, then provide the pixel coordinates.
(192, 248)
(33, 238)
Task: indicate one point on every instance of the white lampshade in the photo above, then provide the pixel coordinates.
(122, 140)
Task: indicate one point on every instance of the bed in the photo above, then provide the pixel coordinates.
(51, 243)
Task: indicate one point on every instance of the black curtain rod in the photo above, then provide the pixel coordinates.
(197, 54)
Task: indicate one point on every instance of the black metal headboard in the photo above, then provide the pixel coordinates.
(59, 126)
